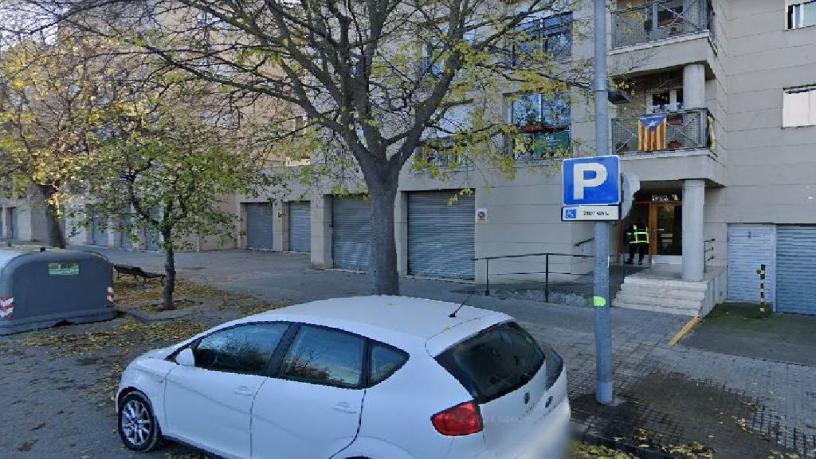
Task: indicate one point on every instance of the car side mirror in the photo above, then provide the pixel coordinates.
(186, 358)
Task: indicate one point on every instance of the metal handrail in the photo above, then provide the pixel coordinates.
(546, 271)
(585, 241)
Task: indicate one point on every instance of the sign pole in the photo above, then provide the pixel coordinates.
(600, 301)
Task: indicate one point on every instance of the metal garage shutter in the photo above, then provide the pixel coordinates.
(151, 235)
(440, 235)
(99, 232)
(125, 237)
(750, 246)
(796, 269)
(300, 227)
(259, 221)
(152, 240)
(350, 233)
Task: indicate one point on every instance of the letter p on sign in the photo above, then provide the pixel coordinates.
(581, 177)
(591, 181)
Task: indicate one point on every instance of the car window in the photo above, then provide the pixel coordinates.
(385, 360)
(325, 356)
(495, 362)
(242, 349)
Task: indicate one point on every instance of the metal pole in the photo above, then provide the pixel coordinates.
(547, 278)
(603, 334)
(487, 276)
(763, 312)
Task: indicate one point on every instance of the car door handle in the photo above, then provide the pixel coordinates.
(243, 390)
(549, 402)
(344, 407)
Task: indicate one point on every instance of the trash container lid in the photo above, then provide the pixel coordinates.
(9, 254)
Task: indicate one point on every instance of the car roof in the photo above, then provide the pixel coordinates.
(397, 320)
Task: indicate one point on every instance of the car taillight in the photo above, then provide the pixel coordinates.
(462, 419)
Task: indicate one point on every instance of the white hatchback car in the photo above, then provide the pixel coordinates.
(365, 377)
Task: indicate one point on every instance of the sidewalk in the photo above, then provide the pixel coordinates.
(741, 406)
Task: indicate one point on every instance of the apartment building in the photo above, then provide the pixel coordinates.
(729, 189)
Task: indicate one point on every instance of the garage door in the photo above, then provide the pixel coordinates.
(750, 246)
(259, 221)
(151, 235)
(350, 233)
(796, 269)
(99, 232)
(300, 227)
(126, 234)
(440, 235)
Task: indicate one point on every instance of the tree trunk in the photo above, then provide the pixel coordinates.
(169, 270)
(55, 235)
(383, 253)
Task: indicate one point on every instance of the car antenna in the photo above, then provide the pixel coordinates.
(453, 314)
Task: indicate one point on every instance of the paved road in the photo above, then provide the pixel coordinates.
(677, 394)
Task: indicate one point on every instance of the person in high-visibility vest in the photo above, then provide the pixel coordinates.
(638, 236)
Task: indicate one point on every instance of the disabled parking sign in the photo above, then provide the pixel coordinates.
(591, 188)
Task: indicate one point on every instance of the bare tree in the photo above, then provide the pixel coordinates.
(373, 75)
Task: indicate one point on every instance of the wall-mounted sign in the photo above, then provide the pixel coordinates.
(481, 215)
(590, 213)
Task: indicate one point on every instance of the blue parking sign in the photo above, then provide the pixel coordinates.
(591, 181)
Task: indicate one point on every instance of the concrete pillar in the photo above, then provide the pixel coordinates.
(693, 213)
(321, 206)
(241, 225)
(401, 231)
(694, 95)
(280, 226)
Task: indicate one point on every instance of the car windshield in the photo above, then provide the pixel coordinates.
(495, 362)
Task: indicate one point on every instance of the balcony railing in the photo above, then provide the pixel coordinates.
(685, 130)
(659, 20)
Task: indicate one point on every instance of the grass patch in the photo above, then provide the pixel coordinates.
(736, 312)
(741, 316)
(739, 319)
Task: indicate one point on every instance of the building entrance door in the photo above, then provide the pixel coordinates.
(662, 213)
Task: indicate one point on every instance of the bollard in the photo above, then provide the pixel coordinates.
(763, 309)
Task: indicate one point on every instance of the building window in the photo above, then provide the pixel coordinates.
(551, 35)
(799, 107)
(440, 152)
(431, 62)
(667, 100)
(439, 146)
(802, 14)
(543, 123)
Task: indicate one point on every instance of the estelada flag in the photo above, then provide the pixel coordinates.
(652, 133)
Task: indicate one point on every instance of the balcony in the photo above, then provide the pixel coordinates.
(659, 20)
(685, 130)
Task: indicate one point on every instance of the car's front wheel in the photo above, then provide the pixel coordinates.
(137, 423)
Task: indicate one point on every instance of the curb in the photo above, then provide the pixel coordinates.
(685, 330)
(581, 433)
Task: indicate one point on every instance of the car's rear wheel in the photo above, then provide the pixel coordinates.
(137, 423)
